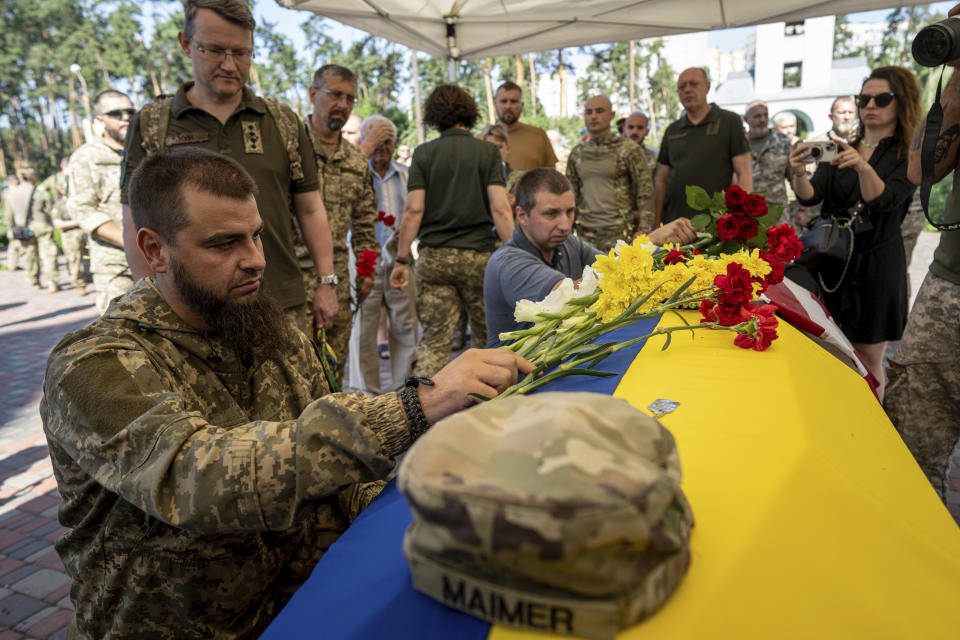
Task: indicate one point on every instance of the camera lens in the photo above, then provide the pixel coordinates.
(937, 43)
(815, 152)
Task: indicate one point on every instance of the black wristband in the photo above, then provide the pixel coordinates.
(402, 260)
(411, 405)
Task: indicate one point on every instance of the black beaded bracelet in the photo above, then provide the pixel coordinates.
(411, 405)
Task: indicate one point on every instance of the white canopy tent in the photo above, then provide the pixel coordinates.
(484, 28)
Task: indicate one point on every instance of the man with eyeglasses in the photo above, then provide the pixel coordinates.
(93, 176)
(347, 193)
(217, 111)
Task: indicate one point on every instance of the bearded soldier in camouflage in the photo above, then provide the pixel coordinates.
(94, 200)
(347, 190)
(611, 182)
(200, 460)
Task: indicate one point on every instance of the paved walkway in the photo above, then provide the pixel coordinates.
(34, 601)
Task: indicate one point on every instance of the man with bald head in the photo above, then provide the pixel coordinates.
(611, 182)
(769, 156)
(705, 147)
(636, 128)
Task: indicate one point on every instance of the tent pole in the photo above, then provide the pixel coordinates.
(452, 51)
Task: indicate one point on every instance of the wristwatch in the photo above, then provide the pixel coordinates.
(411, 405)
(331, 279)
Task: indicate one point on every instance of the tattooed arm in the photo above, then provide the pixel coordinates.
(948, 142)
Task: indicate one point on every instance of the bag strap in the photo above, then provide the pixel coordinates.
(846, 263)
(154, 121)
(290, 133)
(931, 134)
(30, 207)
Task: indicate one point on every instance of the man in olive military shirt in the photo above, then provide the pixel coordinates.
(705, 147)
(218, 112)
(203, 465)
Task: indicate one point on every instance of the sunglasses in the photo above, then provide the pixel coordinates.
(119, 113)
(881, 99)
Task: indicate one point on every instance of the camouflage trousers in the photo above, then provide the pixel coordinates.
(602, 239)
(74, 242)
(923, 394)
(40, 254)
(447, 279)
(338, 337)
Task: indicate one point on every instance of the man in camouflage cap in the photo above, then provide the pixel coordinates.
(27, 208)
(558, 512)
(611, 181)
(94, 178)
(201, 459)
(347, 190)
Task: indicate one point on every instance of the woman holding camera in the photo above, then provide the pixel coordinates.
(865, 187)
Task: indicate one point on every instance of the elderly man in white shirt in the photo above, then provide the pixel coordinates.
(390, 184)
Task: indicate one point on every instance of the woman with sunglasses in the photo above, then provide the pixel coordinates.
(870, 301)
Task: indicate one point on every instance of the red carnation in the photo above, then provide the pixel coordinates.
(388, 220)
(782, 240)
(736, 287)
(761, 331)
(748, 229)
(367, 263)
(727, 227)
(776, 268)
(674, 257)
(380, 215)
(724, 315)
(755, 206)
(734, 197)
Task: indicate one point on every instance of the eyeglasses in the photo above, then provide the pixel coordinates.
(881, 99)
(119, 113)
(336, 96)
(218, 55)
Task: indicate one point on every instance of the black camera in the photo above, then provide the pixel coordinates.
(938, 43)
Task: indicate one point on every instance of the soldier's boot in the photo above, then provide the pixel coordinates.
(81, 290)
(460, 333)
(53, 287)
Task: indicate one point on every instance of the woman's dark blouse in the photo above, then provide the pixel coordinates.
(871, 304)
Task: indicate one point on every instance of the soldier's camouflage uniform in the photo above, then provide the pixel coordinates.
(347, 190)
(94, 178)
(633, 206)
(448, 280)
(199, 493)
(771, 168)
(40, 252)
(73, 241)
(922, 397)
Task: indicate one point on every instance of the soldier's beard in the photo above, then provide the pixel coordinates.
(256, 330)
(509, 118)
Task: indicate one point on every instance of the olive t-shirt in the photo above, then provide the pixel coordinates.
(454, 171)
(946, 259)
(530, 148)
(252, 138)
(700, 154)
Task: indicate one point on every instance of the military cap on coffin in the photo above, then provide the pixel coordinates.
(558, 512)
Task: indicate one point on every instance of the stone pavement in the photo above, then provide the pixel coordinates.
(34, 601)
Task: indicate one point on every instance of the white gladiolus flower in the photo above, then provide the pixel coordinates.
(526, 311)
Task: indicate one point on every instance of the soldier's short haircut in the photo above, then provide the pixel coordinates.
(320, 75)
(27, 174)
(509, 85)
(105, 95)
(450, 105)
(156, 187)
(235, 11)
(368, 123)
(496, 131)
(785, 116)
(537, 180)
(833, 105)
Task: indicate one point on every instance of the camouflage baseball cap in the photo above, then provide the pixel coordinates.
(557, 512)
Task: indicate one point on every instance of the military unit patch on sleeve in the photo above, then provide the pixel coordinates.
(252, 140)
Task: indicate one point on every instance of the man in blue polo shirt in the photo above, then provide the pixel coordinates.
(542, 250)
